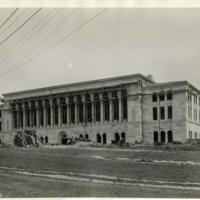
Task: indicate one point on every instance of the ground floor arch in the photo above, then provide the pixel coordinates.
(62, 137)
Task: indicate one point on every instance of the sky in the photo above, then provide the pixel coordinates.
(60, 46)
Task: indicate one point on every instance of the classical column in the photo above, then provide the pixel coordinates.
(30, 115)
(24, 115)
(59, 112)
(17, 116)
(92, 107)
(76, 110)
(37, 114)
(68, 110)
(44, 113)
(51, 111)
(110, 107)
(119, 95)
(101, 108)
(84, 110)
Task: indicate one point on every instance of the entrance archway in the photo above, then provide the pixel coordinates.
(62, 137)
(98, 138)
(123, 137)
(104, 138)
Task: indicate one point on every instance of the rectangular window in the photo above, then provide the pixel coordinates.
(162, 96)
(170, 112)
(154, 97)
(169, 95)
(162, 112)
(155, 113)
(0, 113)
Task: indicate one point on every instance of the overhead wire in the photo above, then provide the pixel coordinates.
(48, 35)
(17, 65)
(13, 22)
(26, 21)
(35, 30)
(9, 17)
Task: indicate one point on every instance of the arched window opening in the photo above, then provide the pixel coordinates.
(123, 137)
(87, 136)
(42, 140)
(155, 137)
(46, 140)
(163, 137)
(98, 138)
(117, 137)
(104, 138)
(170, 136)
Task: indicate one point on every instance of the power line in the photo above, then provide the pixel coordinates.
(13, 22)
(15, 66)
(9, 36)
(54, 30)
(9, 17)
(30, 35)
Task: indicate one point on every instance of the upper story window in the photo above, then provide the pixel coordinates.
(155, 113)
(0, 113)
(169, 95)
(154, 97)
(195, 99)
(161, 96)
(162, 112)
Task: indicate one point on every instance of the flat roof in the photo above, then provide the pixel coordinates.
(81, 83)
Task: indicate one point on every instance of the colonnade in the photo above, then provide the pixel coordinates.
(79, 109)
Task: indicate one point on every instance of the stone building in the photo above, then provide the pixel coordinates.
(132, 108)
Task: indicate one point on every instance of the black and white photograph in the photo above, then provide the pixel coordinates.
(99, 101)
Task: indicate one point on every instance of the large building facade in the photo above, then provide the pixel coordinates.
(131, 108)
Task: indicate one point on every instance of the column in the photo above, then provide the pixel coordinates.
(119, 95)
(92, 107)
(101, 108)
(51, 111)
(44, 113)
(84, 110)
(24, 115)
(18, 116)
(76, 110)
(59, 112)
(68, 110)
(37, 114)
(30, 115)
(110, 107)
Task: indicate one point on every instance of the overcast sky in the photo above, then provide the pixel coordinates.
(163, 42)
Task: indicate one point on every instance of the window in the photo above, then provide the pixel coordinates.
(155, 136)
(0, 113)
(154, 97)
(162, 96)
(87, 136)
(0, 126)
(97, 105)
(170, 112)
(170, 136)
(155, 113)
(162, 137)
(162, 112)
(169, 95)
